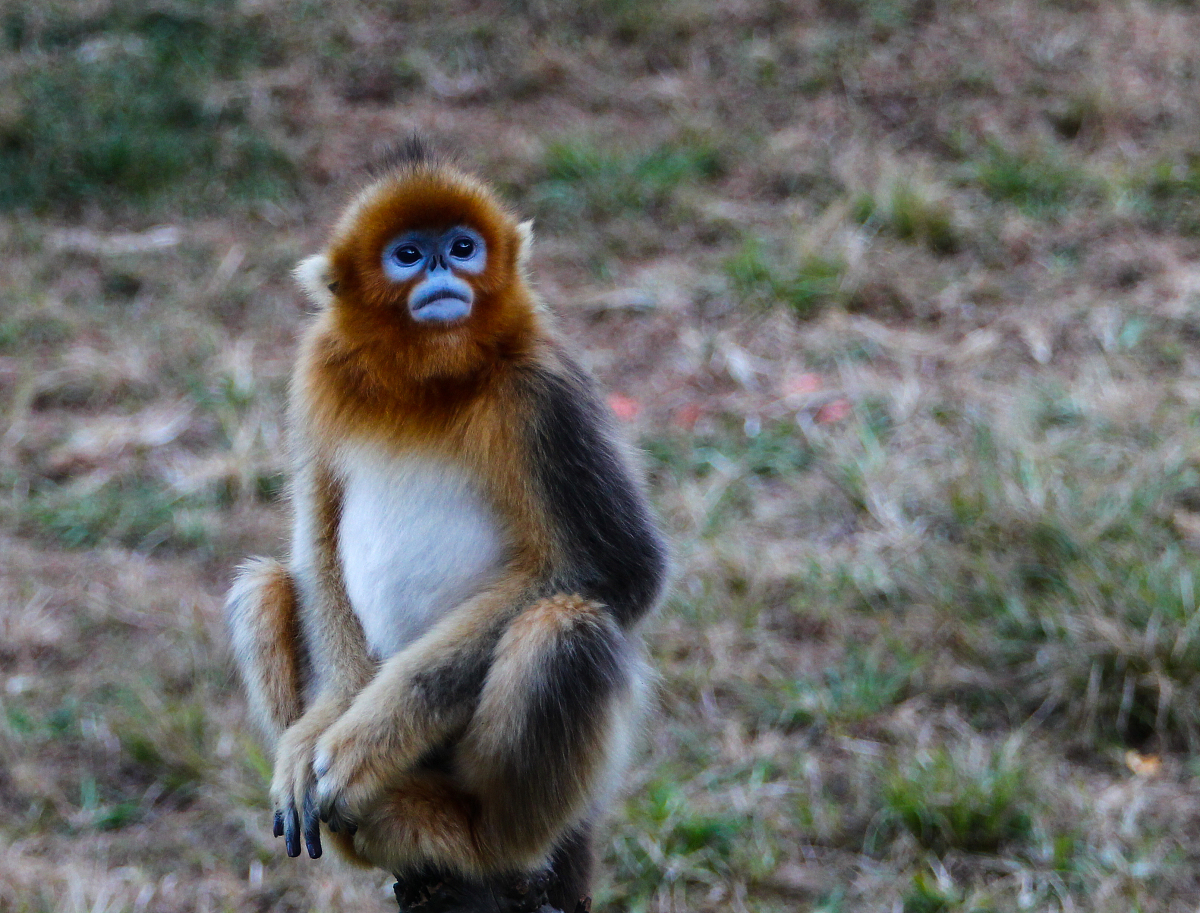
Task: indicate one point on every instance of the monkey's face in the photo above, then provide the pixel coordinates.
(431, 251)
(435, 266)
(426, 271)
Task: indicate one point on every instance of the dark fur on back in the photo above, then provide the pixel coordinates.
(603, 521)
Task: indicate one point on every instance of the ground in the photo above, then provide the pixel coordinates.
(900, 298)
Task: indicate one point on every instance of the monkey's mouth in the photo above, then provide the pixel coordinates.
(441, 306)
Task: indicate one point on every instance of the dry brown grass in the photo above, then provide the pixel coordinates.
(903, 298)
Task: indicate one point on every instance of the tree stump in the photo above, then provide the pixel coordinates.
(434, 893)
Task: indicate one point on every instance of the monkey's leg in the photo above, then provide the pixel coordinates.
(422, 821)
(271, 657)
(337, 662)
(571, 870)
(428, 816)
(553, 726)
(535, 759)
(418, 701)
(265, 629)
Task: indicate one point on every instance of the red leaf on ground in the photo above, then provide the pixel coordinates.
(626, 407)
(832, 412)
(686, 416)
(802, 384)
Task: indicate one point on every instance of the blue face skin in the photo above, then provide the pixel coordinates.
(435, 261)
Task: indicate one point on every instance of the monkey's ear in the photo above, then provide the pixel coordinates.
(312, 274)
(525, 242)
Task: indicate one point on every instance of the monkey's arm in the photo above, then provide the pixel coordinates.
(548, 732)
(611, 550)
(336, 644)
(420, 697)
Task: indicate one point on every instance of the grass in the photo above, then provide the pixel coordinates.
(1086, 573)
(953, 800)
(930, 894)
(129, 512)
(1040, 185)
(915, 386)
(864, 684)
(1171, 196)
(758, 277)
(680, 839)
(35, 330)
(124, 106)
(911, 214)
(582, 178)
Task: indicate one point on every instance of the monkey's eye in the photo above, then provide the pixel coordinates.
(407, 255)
(462, 248)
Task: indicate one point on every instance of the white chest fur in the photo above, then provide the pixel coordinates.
(415, 539)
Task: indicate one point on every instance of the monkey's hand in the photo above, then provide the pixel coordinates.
(359, 755)
(418, 698)
(293, 783)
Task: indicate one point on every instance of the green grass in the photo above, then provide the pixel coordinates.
(124, 108)
(883, 17)
(582, 179)
(34, 330)
(928, 894)
(1170, 197)
(675, 845)
(864, 684)
(1064, 548)
(132, 747)
(764, 278)
(737, 464)
(974, 801)
(911, 214)
(775, 451)
(129, 512)
(1040, 185)
(164, 739)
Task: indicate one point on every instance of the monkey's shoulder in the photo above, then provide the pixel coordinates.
(592, 491)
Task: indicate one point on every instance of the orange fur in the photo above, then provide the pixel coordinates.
(474, 421)
(379, 349)
(424, 816)
(368, 372)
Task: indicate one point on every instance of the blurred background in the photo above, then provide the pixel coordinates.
(901, 298)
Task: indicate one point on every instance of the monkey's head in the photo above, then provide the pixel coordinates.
(427, 263)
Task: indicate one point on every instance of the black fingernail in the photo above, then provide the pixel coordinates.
(312, 828)
(291, 832)
(278, 824)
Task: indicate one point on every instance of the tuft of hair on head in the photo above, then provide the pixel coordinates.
(413, 153)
